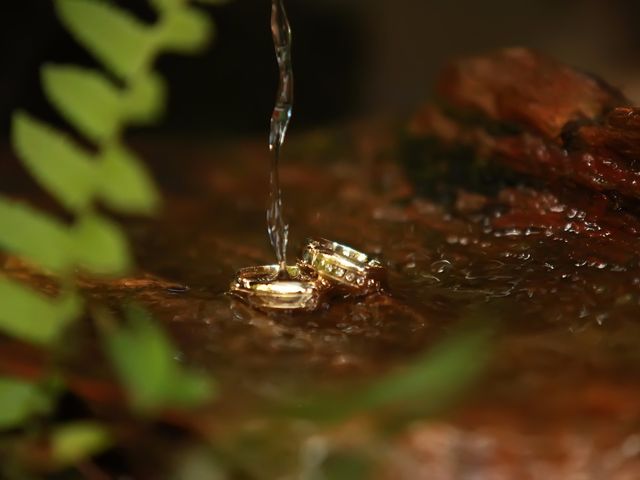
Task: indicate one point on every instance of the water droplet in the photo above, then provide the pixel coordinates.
(441, 266)
(178, 289)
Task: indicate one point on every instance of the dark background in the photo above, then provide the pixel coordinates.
(353, 58)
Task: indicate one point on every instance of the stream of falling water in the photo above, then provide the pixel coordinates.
(278, 229)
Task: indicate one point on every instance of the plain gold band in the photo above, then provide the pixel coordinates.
(261, 288)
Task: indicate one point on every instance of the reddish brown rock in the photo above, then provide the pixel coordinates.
(549, 254)
(570, 138)
(522, 87)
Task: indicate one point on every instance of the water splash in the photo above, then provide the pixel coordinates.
(277, 228)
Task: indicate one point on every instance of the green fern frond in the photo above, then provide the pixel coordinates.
(145, 99)
(87, 99)
(143, 359)
(56, 162)
(99, 106)
(100, 247)
(36, 237)
(125, 185)
(20, 400)
(125, 45)
(34, 317)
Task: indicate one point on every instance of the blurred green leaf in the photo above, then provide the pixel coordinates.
(74, 442)
(433, 380)
(125, 185)
(145, 100)
(94, 243)
(143, 358)
(100, 247)
(198, 464)
(55, 161)
(20, 401)
(33, 317)
(86, 98)
(212, 2)
(34, 236)
(346, 466)
(437, 376)
(124, 44)
(186, 31)
(189, 389)
(167, 5)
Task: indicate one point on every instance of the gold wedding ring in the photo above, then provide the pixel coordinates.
(343, 267)
(261, 288)
(325, 267)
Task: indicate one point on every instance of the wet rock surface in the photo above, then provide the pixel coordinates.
(525, 230)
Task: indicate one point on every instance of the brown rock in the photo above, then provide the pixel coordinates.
(527, 89)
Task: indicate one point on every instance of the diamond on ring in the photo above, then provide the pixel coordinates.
(343, 267)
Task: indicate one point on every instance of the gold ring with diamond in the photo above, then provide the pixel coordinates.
(344, 267)
(262, 289)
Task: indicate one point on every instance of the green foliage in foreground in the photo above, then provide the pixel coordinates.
(81, 180)
(110, 175)
(426, 386)
(75, 441)
(349, 432)
(144, 361)
(21, 400)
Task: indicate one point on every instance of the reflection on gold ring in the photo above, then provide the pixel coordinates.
(262, 289)
(344, 267)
